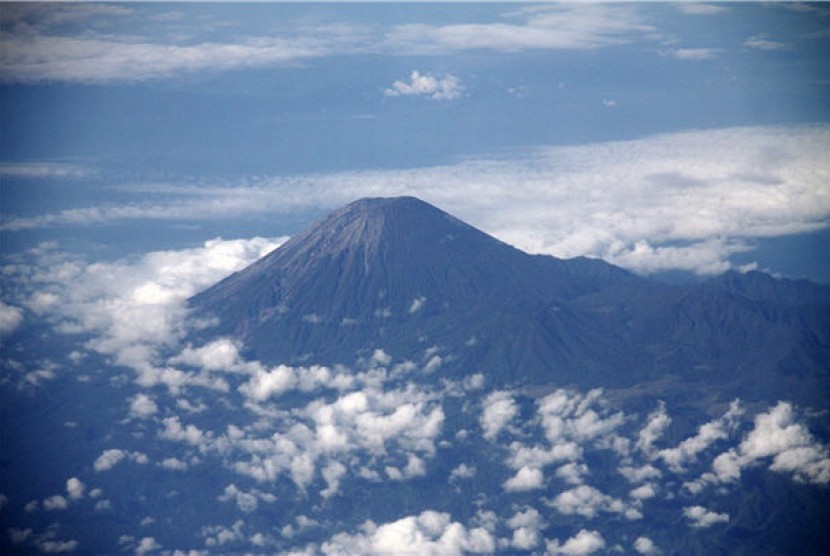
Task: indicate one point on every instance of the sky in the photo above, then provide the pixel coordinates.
(662, 137)
(149, 150)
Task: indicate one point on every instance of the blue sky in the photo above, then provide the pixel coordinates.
(657, 136)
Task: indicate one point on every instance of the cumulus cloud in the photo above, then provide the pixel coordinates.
(678, 457)
(142, 406)
(776, 437)
(112, 457)
(686, 200)
(644, 545)
(147, 545)
(247, 502)
(134, 308)
(427, 533)
(444, 87)
(526, 526)
(656, 425)
(75, 488)
(526, 478)
(700, 518)
(56, 502)
(10, 318)
(587, 501)
(463, 471)
(499, 409)
(584, 542)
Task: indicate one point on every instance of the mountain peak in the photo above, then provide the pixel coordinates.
(372, 224)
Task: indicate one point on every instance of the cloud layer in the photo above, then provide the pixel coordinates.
(676, 201)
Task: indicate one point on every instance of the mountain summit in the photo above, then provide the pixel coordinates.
(404, 276)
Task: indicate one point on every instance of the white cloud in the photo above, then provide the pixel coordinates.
(777, 437)
(97, 58)
(678, 457)
(644, 545)
(174, 464)
(584, 542)
(56, 502)
(566, 26)
(444, 87)
(693, 8)
(147, 545)
(699, 517)
(142, 406)
(761, 42)
(75, 488)
(587, 501)
(57, 547)
(463, 471)
(428, 533)
(526, 526)
(693, 53)
(656, 425)
(526, 478)
(112, 457)
(44, 170)
(11, 318)
(136, 307)
(499, 409)
(685, 200)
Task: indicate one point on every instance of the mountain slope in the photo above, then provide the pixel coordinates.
(401, 275)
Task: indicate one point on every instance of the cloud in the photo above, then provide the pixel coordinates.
(75, 488)
(63, 45)
(693, 53)
(247, 502)
(571, 27)
(776, 436)
(526, 478)
(445, 87)
(112, 457)
(56, 502)
(686, 200)
(427, 533)
(678, 457)
(33, 56)
(584, 542)
(691, 8)
(658, 422)
(147, 545)
(761, 42)
(700, 518)
(11, 318)
(142, 406)
(499, 409)
(587, 501)
(136, 307)
(646, 546)
(526, 526)
(44, 170)
(462, 471)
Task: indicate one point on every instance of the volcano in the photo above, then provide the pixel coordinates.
(401, 275)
